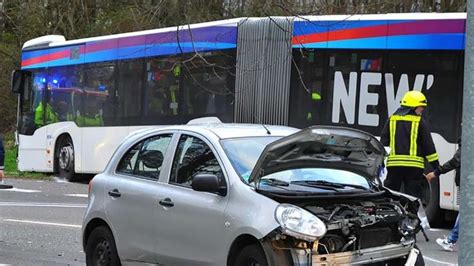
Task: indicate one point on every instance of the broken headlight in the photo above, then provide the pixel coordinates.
(299, 223)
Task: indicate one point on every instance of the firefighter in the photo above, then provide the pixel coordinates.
(408, 135)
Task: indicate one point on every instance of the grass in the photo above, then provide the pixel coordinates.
(11, 169)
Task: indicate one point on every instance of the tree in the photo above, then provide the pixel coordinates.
(22, 20)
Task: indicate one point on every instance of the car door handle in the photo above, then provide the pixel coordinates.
(115, 193)
(166, 202)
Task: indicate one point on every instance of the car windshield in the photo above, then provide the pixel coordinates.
(244, 153)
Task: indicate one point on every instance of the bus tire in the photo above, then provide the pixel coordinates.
(65, 159)
(434, 213)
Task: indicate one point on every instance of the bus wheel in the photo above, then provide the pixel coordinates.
(65, 159)
(434, 213)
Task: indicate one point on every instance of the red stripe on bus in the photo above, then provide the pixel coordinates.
(48, 57)
(365, 32)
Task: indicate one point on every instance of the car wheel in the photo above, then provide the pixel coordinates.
(100, 248)
(65, 159)
(251, 255)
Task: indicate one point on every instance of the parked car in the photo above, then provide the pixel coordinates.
(235, 194)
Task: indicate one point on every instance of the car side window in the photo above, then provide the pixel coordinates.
(146, 157)
(193, 156)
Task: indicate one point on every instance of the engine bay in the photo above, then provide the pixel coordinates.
(358, 224)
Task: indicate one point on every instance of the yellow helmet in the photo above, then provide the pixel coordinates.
(413, 99)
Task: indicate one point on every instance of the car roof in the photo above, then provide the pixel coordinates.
(231, 130)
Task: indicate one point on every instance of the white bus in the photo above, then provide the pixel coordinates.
(80, 98)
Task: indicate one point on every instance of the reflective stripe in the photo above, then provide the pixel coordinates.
(393, 128)
(432, 157)
(405, 164)
(405, 158)
(412, 118)
(414, 138)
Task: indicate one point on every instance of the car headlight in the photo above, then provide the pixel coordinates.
(299, 223)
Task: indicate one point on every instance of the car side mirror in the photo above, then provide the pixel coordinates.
(21, 80)
(208, 183)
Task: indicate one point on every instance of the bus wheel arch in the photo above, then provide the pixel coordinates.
(64, 157)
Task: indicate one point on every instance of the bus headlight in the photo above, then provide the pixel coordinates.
(299, 223)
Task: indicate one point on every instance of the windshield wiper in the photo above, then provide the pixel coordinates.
(327, 184)
(274, 182)
(315, 184)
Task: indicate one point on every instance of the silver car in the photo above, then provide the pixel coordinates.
(235, 194)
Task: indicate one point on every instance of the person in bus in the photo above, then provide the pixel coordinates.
(62, 111)
(453, 164)
(46, 111)
(408, 135)
(93, 113)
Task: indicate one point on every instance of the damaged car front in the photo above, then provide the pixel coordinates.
(332, 206)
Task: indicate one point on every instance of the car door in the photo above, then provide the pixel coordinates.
(190, 221)
(131, 199)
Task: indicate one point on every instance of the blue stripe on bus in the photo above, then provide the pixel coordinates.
(137, 52)
(365, 43)
(447, 41)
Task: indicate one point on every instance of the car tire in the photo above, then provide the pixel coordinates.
(251, 255)
(101, 249)
(65, 159)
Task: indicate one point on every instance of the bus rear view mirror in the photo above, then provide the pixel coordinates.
(21, 80)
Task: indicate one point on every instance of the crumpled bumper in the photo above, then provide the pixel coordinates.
(363, 256)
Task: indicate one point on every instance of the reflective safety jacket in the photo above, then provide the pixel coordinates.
(410, 141)
(50, 116)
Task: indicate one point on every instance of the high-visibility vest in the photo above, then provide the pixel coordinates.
(50, 115)
(410, 142)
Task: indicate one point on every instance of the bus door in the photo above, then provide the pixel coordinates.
(31, 134)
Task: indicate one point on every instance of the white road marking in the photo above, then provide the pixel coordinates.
(77, 195)
(438, 261)
(21, 190)
(42, 223)
(35, 204)
(437, 230)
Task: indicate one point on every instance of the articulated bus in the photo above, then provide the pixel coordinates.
(78, 99)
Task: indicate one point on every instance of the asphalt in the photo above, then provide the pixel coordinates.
(40, 224)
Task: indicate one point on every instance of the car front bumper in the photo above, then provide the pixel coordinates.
(363, 256)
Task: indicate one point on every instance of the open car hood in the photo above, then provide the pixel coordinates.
(322, 147)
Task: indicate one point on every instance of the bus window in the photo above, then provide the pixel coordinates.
(130, 92)
(63, 83)
(342, 88)
(98, 96)
(205, 90)
(307, 95)
(439, 75)
(158, 92)
(179, 89)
